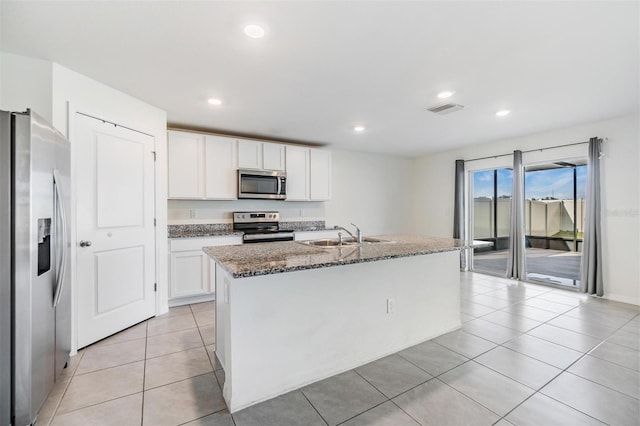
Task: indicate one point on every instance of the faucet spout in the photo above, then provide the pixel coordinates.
(358, 233)
(347, 231)
(357, 238)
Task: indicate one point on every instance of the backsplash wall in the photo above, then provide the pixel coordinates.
(201, 211)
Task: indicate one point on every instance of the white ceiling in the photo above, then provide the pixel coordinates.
(324, 67)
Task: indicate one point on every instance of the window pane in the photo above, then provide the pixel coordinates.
(552, 214)
(491, 217)
(505, 187)
(483, 204)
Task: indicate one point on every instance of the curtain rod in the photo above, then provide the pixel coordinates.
(530, 150)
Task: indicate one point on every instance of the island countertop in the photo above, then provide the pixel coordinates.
(249, 260)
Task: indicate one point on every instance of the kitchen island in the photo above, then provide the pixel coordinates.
(289, 314)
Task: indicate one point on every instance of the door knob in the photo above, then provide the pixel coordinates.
(85, 243)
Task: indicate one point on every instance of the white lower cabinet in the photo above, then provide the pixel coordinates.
(192, 272)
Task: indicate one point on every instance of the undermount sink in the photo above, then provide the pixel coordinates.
(367, 240)
(345, 242)
(322, 243)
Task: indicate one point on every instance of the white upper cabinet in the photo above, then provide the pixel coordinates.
(202, 167)
(320, 174)
(308, 174)
(273, 155)
(249, 154)
(221, 168)
(186, 164)
(260, 155)
(205, 167)
(297, 160)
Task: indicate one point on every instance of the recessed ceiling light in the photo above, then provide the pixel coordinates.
(359, 128)
(214, 101)
(254, 31)
(503, 112)
(445, 94)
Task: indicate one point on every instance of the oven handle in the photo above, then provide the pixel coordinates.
(252, 238)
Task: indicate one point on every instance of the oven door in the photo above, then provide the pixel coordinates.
(261, 184)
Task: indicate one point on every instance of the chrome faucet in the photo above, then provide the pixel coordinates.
(357, 237)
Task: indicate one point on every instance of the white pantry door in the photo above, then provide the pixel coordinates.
(115, 182)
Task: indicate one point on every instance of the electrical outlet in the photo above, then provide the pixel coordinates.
(391, 306)
(192, 214)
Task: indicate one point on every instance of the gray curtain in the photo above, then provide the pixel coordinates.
(458, 209)
(516, 260)
(591, 280)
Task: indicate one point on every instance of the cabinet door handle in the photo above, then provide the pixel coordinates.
(85, 243)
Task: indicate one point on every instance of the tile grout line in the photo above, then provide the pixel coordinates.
(206, 415)
(365, 411)
(437, 377)
(401, 409)
(312, 406)
(99, 403)
(64, 392)
(104, 341)
(213, 371)
(565, 370)
(107, 368)
(536, 391)
(431, 374)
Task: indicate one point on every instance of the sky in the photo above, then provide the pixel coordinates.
(557, 183)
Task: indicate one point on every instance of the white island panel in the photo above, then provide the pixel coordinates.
(279, 332)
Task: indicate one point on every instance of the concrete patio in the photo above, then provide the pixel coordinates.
(545, 265)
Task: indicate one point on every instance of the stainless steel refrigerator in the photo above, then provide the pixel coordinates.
(35, 302)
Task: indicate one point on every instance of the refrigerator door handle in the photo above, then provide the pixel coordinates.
(61, 217)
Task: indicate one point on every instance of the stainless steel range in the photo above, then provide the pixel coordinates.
(260, 227)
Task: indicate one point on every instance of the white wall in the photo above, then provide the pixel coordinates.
(432, 210)
(50, 89)
(371, 190)
(25, 83)
(90, 95)
(221, 211)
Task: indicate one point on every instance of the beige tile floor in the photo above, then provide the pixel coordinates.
(526, 355)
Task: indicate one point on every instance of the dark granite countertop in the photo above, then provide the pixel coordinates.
(250, 260)
(201, 230)
(222, 229)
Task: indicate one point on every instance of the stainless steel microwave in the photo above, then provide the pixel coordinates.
(262, 184)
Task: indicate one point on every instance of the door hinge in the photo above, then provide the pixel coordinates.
(154, 155)
(155, 286)
(154, 221)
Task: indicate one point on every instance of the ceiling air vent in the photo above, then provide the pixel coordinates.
(443, 109)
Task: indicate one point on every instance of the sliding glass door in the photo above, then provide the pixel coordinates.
(491, 213)
(554, 221)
